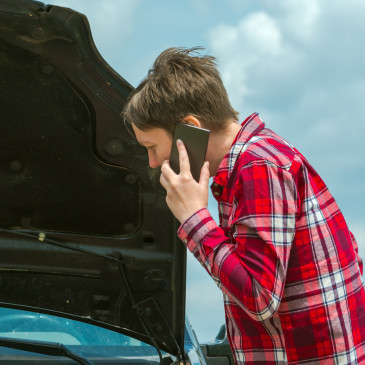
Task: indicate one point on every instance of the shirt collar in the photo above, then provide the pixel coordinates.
(250, 127)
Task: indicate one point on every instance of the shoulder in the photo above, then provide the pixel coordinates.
(267, 148)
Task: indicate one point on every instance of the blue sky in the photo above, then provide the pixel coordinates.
(300, 64)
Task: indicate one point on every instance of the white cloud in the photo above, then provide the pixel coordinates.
(301, 65)
(301, 18)
(245, 47)
(261, 33)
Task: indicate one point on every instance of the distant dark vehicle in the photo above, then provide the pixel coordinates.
(90, 266)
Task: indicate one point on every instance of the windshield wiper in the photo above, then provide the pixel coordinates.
(44, 348)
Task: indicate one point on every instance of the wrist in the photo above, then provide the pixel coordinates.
(187, 216)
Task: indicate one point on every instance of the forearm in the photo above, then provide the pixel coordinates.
(235, 274)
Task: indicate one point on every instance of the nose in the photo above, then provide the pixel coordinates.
(152, 160)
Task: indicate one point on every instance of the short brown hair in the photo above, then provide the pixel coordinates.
(180, 83)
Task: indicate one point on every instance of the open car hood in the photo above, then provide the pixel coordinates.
(85, 232)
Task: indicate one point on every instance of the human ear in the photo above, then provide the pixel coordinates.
(190, 119)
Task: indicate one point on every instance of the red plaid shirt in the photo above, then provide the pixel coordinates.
(282, 255)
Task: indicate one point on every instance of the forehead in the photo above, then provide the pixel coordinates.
(151, 136)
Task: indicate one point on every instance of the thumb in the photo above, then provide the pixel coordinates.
(204, 175)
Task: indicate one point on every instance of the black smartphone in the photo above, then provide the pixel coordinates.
(195, 140)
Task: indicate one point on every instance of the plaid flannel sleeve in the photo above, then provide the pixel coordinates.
(356, 249)
(249, 265)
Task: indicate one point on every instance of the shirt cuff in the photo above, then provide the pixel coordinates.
(192, 231)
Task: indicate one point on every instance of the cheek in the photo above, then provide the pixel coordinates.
(207, 155)
(167, 151)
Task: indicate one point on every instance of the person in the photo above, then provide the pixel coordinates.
(282, 254)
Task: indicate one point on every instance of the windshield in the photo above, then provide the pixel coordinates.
(86, 339)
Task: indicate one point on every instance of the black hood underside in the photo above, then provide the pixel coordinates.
(72, 172)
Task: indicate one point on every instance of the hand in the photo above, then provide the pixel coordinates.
(185, 196)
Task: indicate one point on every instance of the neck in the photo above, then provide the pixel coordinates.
(220, 143)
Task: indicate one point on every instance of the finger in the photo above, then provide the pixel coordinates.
(183, 157)
(166, 173)
(166, 170)
(204, 175)
(163, 181)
